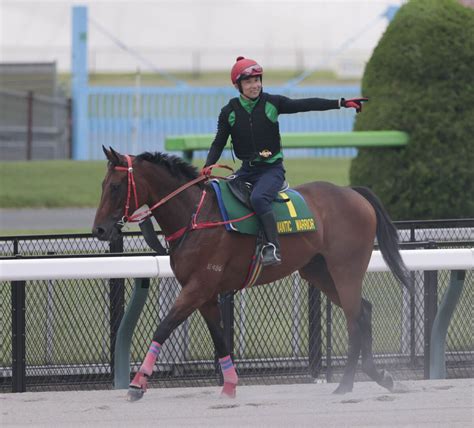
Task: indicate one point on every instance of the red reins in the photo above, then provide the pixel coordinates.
(131, 186)
(206, 225)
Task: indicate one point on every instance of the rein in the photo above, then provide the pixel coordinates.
(132, 186)
(141, 216)
(205, 225)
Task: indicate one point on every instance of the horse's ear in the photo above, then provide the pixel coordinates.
(112, 155)
(106, 152)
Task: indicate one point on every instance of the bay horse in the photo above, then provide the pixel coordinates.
(208, 260)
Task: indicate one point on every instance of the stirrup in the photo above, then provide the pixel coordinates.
(272, 257)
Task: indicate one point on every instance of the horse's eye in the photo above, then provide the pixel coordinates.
(114, 187)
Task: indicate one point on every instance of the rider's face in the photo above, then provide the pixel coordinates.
(251, 87)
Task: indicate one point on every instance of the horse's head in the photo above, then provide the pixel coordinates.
(119, 196)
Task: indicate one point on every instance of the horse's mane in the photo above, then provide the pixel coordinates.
(174, 164)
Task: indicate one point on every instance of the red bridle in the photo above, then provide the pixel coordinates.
(131, 186)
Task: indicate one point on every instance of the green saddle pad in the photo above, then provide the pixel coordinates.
(292, 216)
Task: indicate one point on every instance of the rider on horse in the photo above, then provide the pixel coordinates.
(252, 122)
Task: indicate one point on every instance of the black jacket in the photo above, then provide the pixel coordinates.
(266, 134)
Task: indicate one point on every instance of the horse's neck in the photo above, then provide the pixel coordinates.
(175, 213)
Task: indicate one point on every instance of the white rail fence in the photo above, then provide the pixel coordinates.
(159, 266)
(456, 260)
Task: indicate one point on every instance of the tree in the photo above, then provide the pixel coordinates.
(420, 79)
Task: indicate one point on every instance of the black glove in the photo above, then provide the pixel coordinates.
(353, 103)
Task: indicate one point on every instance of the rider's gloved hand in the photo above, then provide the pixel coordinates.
(206, 170)
(353, 103)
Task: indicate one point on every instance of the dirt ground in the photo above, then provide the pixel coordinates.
(427, 403)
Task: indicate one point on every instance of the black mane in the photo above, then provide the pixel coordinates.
(174, 164)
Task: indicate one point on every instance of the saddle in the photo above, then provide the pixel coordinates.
(291, 211)
(242, 190)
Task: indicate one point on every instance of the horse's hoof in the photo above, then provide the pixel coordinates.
(343, 389)
(387, 381)
(134, 393)
(229, 390)
(138, 387)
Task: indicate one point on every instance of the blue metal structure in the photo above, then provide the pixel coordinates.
(133, 120)
(79, 83)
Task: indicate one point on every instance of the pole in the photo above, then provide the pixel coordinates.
(431, 303)
(125, 333)
(328, 341)
(79, 83)
(441, 323)
(29, 123)
(116, 304)
(18, 337)
(18, 306)
(315, 342)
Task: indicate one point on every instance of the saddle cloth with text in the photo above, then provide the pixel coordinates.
(291, 211)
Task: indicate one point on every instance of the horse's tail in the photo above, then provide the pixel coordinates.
(387, 237)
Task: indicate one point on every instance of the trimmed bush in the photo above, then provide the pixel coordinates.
(420, 79)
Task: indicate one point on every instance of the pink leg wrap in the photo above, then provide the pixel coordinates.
(139, 381)
(150, 359)
(230, 376)
(229, 390)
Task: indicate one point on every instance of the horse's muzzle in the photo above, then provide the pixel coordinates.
(106, 233)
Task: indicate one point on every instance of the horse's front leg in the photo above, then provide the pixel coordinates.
(189, 299)
(212, 315)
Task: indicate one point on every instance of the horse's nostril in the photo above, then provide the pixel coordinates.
(98, 231)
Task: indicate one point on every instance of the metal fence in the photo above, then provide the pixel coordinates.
(282, 332)
(34, 126)
(137, 119)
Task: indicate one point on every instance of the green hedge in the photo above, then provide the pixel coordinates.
(420, 79)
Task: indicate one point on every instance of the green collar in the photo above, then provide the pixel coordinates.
(248, 104)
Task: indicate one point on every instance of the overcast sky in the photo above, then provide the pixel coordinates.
(178, 33)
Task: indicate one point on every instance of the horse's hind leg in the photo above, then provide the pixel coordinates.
(317, 273)
(211, 314)
(190, 298)
(383, 378)
(360, 327)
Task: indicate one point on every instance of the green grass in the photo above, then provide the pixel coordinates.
(60, 184)
(50, 184)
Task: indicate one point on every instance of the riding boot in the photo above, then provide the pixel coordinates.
(271, 250)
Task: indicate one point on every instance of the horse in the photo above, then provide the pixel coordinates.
(210, 260)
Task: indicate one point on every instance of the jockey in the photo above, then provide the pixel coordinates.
(252, 122)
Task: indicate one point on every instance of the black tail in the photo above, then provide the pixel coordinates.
(387, 238)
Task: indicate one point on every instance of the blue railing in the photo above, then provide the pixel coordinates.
(133, 120)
